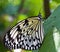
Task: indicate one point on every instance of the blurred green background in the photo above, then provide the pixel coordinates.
(12, 11)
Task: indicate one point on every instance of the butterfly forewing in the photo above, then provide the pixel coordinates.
(27, 34)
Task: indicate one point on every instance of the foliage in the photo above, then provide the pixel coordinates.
(34, 7)
(9, 6)
(58, 1)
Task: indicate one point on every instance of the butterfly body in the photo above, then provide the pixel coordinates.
(27, 34)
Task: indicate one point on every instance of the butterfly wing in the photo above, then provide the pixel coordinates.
(27, 34)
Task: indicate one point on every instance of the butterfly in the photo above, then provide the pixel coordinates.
(27, 34)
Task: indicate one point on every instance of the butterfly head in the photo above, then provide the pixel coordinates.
(39, 16)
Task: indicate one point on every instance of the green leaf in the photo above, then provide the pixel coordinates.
(50, 25)
(34, 6)
(21, 17)
(58, 1)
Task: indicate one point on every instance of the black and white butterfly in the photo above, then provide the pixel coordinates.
(27, 34)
